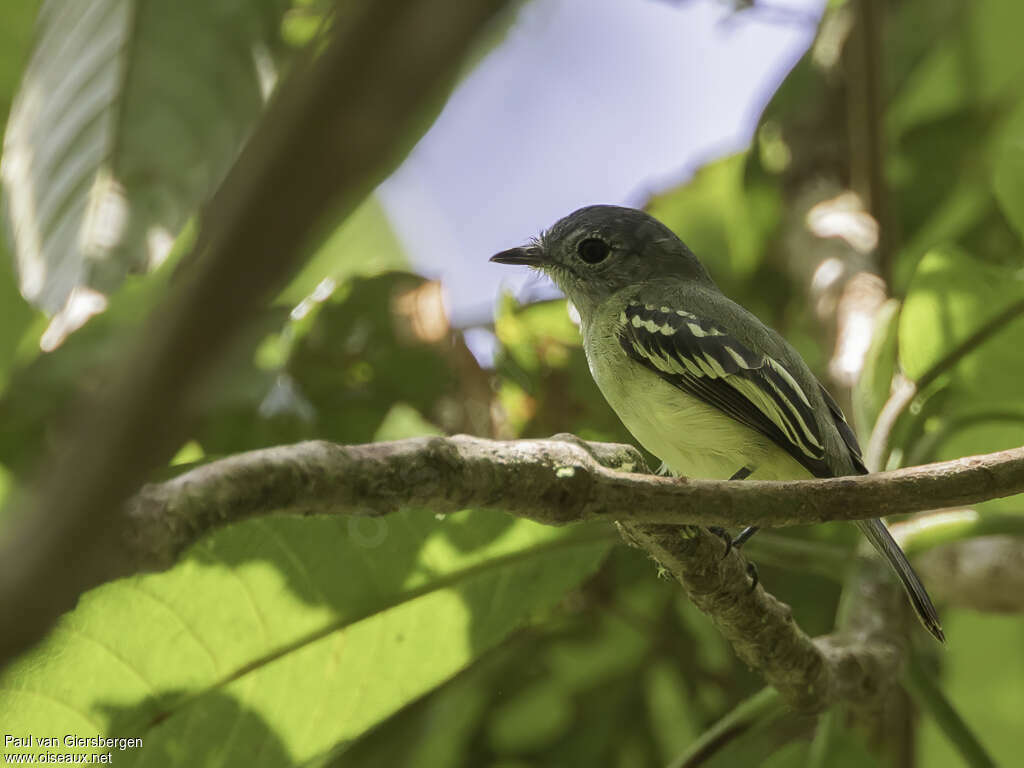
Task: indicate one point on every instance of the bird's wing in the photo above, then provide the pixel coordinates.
(704, 360)
(845, 431)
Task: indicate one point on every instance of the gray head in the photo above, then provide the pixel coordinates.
(597, 251)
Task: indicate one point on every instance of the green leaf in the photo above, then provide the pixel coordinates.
(977, 61)
(378, 341)
(363, 245)
(875, 383)
(723, 221)
(952, 295)
(1008, 171)
(982, 672)
(959, 436)
(128, 115)
(277, 640)
(15, 38)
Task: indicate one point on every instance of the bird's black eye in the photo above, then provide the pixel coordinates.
(592, 250)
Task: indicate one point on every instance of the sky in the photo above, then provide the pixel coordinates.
(584, 101)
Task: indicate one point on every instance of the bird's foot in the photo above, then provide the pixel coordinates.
(755, 578)
(731, 544)
(745, 536)
(725, 536)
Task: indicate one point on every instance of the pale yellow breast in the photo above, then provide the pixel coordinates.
(693, 438)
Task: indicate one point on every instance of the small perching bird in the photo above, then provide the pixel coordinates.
(701, 382)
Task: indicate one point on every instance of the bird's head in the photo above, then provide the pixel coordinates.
(600, 250)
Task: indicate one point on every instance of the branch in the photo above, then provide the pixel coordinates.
(810, 674)
(982, 574)
(343, 119)
(557, 481)
(565, 480)
(554, 482)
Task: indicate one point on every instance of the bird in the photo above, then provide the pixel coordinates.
(696, 378)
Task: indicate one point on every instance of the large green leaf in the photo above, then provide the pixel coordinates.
(277, 640)
(128, 115)
(951, 296)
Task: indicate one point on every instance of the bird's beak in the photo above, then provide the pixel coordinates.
(528, 255)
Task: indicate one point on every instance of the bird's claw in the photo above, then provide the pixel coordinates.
(755, 578)
(725, 536)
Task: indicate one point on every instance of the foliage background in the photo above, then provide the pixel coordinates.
(484, 640)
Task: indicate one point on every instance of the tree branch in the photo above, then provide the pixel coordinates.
(810, 674)
(564, 480)
(981, 574)
(556, 481)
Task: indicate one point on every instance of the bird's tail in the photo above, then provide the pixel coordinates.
(883, 542)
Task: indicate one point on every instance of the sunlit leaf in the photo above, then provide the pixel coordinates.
(276, 640)
(952, 295)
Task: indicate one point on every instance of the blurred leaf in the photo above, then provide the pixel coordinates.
(383, 340)
(145, 133)
(546, 382)
(1008, 182)
(723, 221)
(982, 670)
(875, 382)
(39, 394)
(530, 720)
(363, 245)
(672, 721)
(950, 297)
(15, 39)
(15, 316)
(977, 61)
(403, 421)
(42, 393)
(318, 628)
(1008, 173)
(970, 438)
(436, 731)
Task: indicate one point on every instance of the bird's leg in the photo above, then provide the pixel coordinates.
(730, 543)
(741, 474)
(744, 536)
